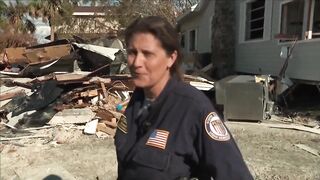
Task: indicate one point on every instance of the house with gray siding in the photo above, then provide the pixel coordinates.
(195, 30)
(264, 33)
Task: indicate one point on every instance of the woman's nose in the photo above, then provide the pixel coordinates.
(138, 60)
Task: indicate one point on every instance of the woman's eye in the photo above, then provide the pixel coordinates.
(131, 52)
(147, 54)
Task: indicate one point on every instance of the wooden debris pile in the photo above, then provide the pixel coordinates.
(64, 99)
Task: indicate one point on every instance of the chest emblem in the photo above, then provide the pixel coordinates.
(215, 128)
(158, 138)
(122, 125)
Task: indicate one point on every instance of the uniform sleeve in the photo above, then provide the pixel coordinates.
(219, 155)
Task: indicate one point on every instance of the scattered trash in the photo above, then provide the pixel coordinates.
(91, 127)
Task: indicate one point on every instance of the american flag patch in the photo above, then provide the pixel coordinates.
(158, 139)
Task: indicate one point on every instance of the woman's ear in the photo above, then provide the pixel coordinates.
(172, 58)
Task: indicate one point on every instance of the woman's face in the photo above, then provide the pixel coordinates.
(148, 62)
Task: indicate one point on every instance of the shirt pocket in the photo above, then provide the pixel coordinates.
(152, 158)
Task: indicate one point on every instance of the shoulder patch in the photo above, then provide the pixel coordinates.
(215, 128)
(122, 124)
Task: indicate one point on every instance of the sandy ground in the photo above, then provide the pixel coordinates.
(270, 154)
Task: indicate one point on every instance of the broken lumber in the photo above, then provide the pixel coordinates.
(308, 149)
(294, 127)
(10, 95)
(104, 128)
(112, 123)
(281, 126)
(105, 94)
(100, 80)
(38, 128)
(8, 125)
(24, 137)
(89, 93)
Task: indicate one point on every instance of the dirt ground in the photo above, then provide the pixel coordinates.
(68, 154)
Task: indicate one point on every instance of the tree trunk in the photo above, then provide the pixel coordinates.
(223, 40)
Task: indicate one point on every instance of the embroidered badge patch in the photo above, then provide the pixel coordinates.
(122, 125)
(215, 128)
(158, 138)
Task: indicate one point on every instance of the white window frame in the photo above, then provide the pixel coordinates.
(280, 18)
(267, 22)
(304, 37)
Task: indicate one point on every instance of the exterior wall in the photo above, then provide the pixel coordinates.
(201, 22)
(263, 56)
(185, 28)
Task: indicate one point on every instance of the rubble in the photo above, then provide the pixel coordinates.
(57, 93)
(70, 84)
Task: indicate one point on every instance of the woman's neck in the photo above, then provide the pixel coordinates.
(153, 92)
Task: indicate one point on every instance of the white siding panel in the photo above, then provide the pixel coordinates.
(264, 57)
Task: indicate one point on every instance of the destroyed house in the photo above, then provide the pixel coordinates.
(265, 33)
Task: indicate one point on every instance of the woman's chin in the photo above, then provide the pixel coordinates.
(139, 83)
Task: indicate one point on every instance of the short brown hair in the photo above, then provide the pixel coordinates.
(163, 31)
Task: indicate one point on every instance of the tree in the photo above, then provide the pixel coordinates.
(183, 5)
(3, 7)
(128, 10)
(54, 11)
(98, 2)
(15, 27)
(14, 14)
(14, 17)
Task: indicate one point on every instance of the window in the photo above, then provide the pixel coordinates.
(300, 19)
(255, 19)
(292, 19)
(192, 40)
(316, 20)
(182, 41)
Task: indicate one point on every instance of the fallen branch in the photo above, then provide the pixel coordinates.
(308, 149)
(24, 137)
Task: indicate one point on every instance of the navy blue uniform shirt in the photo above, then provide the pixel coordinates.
(178, 136)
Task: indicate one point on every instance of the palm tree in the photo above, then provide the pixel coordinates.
(3, 7)
(15, 13)
(54, 11)
(15, 16)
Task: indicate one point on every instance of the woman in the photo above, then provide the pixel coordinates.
(171, 130)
